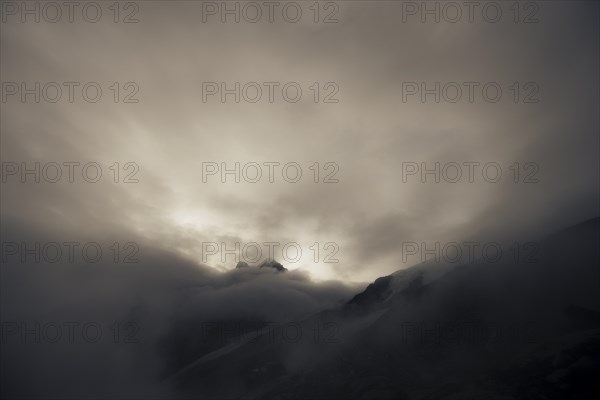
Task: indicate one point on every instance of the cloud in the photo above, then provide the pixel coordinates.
(368, 134)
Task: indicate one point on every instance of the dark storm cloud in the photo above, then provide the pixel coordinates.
(369, 133)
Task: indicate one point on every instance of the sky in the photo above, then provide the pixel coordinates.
(171, 133)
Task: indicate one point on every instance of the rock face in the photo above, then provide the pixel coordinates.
(374, 293)
(265, 264)
(409, 285)
(272, 264)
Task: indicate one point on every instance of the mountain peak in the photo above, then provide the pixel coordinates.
(272, 264)
(265, 264)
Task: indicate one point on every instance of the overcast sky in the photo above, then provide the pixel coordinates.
(362, 62)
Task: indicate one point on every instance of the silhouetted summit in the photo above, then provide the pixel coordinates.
(272, 264)
(265, 264)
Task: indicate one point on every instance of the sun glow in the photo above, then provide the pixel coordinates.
(194, 219)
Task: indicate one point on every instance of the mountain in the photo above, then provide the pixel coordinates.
(504, 330)
(272, 264)
(265, 264)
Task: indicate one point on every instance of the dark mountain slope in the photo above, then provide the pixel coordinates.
(506, 330)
